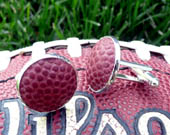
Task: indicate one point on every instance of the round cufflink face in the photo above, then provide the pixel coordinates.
(103, 64)
(45, 85)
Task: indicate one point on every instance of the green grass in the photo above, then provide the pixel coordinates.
(24, 22)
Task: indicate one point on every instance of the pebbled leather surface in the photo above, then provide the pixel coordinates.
(101, 63)
(48, 84)
(127, 97)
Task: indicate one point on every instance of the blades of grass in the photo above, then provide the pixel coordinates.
(82, 9)
(139, 18)
(163, 37)
(124, 26)
(147, 11)
(92, 15)
(38, 18)
(8, 45)
(59, 2)
(3, 20)
(166, 24)
(21, 26)
(10, 13)
(110, 21)
(75, 15)
(93, 22)
(135, 13)
(84, 16)
(58, 32)
(74, 4)
(118, 18)
(43, 20)
(28, 12)
(108, 24)
(130, 11)
(148, 18)
(70, 24)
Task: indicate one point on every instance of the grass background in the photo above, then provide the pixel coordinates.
(24, 22)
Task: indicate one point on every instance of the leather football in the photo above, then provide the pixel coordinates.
(62, 90)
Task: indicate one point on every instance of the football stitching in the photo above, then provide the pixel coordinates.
(82, 69)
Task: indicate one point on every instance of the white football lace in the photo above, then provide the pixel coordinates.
(142, 49)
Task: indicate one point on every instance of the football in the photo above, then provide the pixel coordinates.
(85, 87)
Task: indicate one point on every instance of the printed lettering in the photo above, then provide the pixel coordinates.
(14, 117)
(108, 121)
(144, 119)
(41, 124)
(77, 119)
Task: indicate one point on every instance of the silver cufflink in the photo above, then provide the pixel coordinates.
(47, 82)
(104, 64)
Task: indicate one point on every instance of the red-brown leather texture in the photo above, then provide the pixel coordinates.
(127, 98)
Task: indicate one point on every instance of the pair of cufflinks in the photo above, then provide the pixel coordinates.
(47, 83)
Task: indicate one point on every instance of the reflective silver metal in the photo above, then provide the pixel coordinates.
(142, 71)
